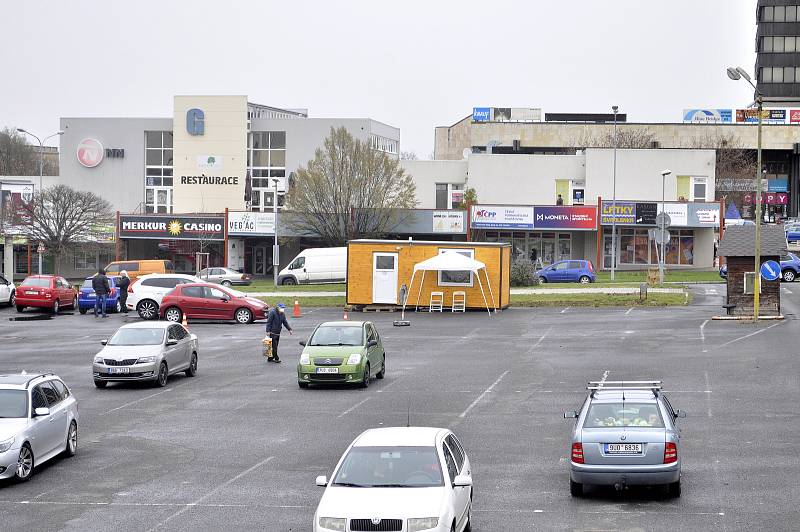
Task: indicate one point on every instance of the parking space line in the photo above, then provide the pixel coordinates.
(463, 414)
(352, 408)
(565, 310)
(629, 311)
(140, 400)
(539, 342)
(749, 335)
(703, 335)
(212, 492)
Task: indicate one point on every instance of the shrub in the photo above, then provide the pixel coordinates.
(523, 273)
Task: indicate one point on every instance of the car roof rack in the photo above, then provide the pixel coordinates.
(35, 376)
(651, 385)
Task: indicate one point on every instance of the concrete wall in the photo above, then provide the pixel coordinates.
(119, 180)
(427, 173)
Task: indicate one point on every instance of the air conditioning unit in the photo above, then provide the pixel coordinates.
(654, 144)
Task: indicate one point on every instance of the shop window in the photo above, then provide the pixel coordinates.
(85, 260)
(457, 278)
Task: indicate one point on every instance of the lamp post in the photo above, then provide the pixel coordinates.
(615, 109)
(41, 149)
(275, 249)
(737, 73)
(661, 262)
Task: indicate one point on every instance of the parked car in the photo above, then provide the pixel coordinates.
(625, 434)
(792, 232)
(45, 291)
(343, 352)
(225, 276)
(398, 478)
(210, 301)
(146, 293)
(8, 292)
(146, 351)
(738, 221)
(316, 265)
(568, 271)
(87, 296)
(723, 271)
(790, 268)
(39, 421)
(139, 268)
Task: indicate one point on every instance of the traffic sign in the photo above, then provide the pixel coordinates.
(663, 220)
(661, 237)
(40, 249)
(770, 270)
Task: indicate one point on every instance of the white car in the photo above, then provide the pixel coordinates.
(402, 479)
(146, 293)
(38, 421)
(8, 292)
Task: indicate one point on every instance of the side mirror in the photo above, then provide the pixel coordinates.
(570, 414)
(172, 341)
(103, 342)
(225, 299)
(303, 343)
(372, 343)
(41, 412)
(462, 481)
(680, 413)
(322, 481)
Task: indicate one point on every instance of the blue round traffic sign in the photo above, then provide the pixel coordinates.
(770, 270)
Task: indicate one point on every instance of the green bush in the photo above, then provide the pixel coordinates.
(523, 273)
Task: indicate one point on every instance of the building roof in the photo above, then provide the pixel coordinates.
(740, 241)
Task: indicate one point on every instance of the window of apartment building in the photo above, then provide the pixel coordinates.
(158, 171)
(699, 185)
(266, 160)
(779, 44)
(449, 195)
(780, 14)
(779, 74)
(384, 144)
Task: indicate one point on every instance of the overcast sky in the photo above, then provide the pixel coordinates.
(412, 64)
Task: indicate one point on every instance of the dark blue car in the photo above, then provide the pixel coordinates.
(568, 271)
(790, 268)
(86, 297)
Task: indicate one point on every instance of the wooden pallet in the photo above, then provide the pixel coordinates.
(380, 308)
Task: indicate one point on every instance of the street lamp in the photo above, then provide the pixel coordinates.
(661, 262)
(615, 109)
(275, 250)
(41, 149)
(736, 74)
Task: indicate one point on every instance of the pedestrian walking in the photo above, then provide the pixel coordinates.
(122, 285)
(101, 288)
(276, 321)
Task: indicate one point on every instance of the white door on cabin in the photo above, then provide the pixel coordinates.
(384, 278)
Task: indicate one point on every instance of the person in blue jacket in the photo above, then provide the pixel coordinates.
(276, 321)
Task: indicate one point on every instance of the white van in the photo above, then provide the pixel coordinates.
(316, 265)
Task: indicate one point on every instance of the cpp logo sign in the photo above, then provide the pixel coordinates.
(483, 213)
(195, 121)
(90, 152)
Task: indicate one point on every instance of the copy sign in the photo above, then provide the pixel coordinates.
(770, 270)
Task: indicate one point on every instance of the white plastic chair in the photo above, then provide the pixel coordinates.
(459, 301)
(437, 302)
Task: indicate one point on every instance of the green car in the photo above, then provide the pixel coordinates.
(342, 352)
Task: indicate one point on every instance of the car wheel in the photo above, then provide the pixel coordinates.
(20, 308)
(163, 374)
(12, 299)
(118, 307)
(243, 315)
(100, 384)
(382, 373)
(192, 370)
(147, 309)
(584, 279)
(24, 463)
(173, 314)
(789, 276)
(674, 490)
(288, 281)
(74, 304)
(72, 440)
(365, 380)
(542, 280)
(575, 489)
(226, 283)
(82, 310)
(302, 384)
(56, 307)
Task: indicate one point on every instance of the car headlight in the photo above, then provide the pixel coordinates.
(145, 360)
(305, 359)
(415, 524)
(332, 523)
(355, 358)
(98, 360)
(6, 444)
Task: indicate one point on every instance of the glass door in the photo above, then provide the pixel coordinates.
(260, 260)
(158, 199)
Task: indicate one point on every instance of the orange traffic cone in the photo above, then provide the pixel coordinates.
(297, 313)
(185, 322)
(345, 315)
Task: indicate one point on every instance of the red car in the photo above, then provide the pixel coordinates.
(211, 301)
(46, 291)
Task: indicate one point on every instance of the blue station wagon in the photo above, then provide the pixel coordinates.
(568, 271)
(86, 296)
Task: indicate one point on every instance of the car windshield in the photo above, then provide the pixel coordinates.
(135, 336)
(87, 283)
(623, 414)
(13, 403)
(36, 281)
(390, 467)
(337, 335)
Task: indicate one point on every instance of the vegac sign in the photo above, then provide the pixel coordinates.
(245, 223)
(175, 227)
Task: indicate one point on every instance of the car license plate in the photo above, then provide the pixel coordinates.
(90, 295)
(31, 293)
(119, 370)
(327, 370)
(623, 448)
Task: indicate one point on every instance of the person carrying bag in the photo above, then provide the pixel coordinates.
(276, 321)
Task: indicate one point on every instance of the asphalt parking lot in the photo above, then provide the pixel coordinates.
(238, 447)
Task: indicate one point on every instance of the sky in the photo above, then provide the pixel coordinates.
(411, 64)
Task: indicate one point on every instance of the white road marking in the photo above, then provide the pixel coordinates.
(140, 400)
(703, 335)
(788, 291)
(749, 335)
(481, 396)
(539, 342)
(628, 311)
(605, 376)
(210, 493)
(353, 407)
(565, 310)
(147, 504)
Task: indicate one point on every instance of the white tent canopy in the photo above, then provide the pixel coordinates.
(452, 261)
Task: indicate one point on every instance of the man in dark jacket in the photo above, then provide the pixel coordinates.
(101, 288)
(276, 321)
(122, 285)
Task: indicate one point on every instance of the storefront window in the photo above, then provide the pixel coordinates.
(636, 248)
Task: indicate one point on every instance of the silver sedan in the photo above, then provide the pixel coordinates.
(146, 351)
(625, 434)
(225, 276)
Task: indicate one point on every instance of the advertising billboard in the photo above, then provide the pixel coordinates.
(794, 116)
(565, 217)
(768, 116)
(502, 217)
(245, 223)
(481, 114)
(708, 116)
(448, 221)
(171, 227)
(623, 213)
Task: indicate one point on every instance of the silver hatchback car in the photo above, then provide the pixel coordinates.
(146, 351)
(625, 434)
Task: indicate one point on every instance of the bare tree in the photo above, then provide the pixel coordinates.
(733, 159)
(17, 157)
(627, 137)
(408, 156)
(59, 217)
(348, 190)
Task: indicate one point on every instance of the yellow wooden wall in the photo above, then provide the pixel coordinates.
(360, 262)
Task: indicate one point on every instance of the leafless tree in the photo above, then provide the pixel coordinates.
(627, 137)
(19, 158)
(733, 159)
(59, 217)
(348, 190)
(408, 156)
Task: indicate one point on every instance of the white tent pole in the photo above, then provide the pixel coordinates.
(419, 294)
(484, 295)
(403, 314)
(489, 284)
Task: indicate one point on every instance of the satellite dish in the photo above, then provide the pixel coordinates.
(465, 153)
